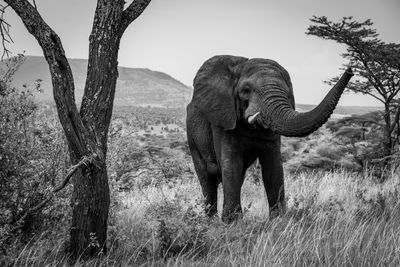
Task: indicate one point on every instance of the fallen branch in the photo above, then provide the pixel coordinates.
(390, 157)
(84, 161)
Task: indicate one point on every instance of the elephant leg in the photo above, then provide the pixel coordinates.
(272, 175)
(208, 178)
(210, 192)
(206, 167)
(200, 142)
(232, 181)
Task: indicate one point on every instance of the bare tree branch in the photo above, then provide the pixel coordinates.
(34, 4)
(390, 157)
(367, 93)
(4, 32)
(132, 12)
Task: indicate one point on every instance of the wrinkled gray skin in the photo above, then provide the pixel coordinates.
(239, 110)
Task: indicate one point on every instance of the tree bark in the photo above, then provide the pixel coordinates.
(387, 138)
(86, 131)
(90, 205)
(91, 196)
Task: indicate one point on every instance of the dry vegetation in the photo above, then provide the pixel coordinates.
(335, 216)
(333, 219)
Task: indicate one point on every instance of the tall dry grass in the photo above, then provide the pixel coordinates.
(333, 219)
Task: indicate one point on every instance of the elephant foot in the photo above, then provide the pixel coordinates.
(273, 214)
(229, 217)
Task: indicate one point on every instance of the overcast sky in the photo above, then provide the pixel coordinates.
(177, 36)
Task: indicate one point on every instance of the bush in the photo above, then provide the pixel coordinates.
(322, 150)
(32, 160)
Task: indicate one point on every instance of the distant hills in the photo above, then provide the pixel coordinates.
(135, 86)
(340, 110)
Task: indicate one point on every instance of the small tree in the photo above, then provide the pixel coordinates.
(86, 130)
(375, 63)
(361, 135)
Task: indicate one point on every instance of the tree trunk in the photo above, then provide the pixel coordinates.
(387, 142)
(91, 198)
(86, 132)
(90, 204)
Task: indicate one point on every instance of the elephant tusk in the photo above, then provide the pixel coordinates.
(251, 119)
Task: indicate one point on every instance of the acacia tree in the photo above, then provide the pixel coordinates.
(360, 135)
(375, 63)
(86, 131)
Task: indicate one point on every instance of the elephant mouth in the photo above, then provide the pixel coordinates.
(252, 118)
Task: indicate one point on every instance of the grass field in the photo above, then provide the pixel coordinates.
(333, 219)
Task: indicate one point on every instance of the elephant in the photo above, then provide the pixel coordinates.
(239, 110)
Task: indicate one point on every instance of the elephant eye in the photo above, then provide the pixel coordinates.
(244, 93)
(246, 90)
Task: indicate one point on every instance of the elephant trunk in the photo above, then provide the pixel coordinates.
(279, 116)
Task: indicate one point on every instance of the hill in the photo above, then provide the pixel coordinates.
(135, 86)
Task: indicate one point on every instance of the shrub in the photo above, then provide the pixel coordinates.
(32, 160)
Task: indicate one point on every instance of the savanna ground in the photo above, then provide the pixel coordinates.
(335, 216)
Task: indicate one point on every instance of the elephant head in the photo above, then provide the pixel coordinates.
(258, 91)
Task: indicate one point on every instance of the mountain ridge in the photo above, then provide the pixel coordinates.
(135, 86)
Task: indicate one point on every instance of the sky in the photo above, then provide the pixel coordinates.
(177, 36)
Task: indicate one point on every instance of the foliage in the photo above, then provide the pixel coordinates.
(32, 160)
(319, 151)
(145, 117)
(360, 136)
(140, 156)
(375, 63)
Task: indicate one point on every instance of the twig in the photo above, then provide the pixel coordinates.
(4, 32)
(84, 161)
(148, 149)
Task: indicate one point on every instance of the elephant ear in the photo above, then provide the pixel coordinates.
(213, 90)
(288, 81)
